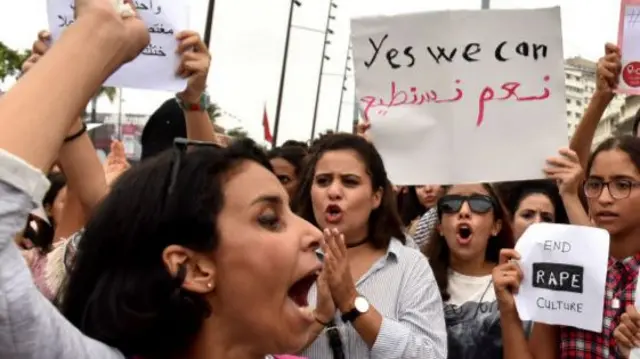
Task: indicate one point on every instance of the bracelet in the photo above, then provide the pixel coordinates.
(321, 322)
(77, 134)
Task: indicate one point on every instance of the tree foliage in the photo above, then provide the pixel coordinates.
(237, 132)
(109, 92)
(11, 61)
(214, 111)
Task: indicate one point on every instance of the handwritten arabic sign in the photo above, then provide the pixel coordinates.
(628, 38)
(564, 271)
(155, 68)
(462, 96)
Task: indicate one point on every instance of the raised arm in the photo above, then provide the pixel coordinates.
(30, 327)
(194, 65)
(606, 80)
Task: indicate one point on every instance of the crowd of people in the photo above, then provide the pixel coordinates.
(205, 250)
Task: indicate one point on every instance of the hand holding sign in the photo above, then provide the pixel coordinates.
(566, 170)
(608, 70)
(39, 48)
(194, 65)
(506, 279)
(133, 32)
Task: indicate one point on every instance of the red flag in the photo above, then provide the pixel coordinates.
(265, 126)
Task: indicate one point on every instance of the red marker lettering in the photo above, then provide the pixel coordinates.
(415, 97)
(486, 95)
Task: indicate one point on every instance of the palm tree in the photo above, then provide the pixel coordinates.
(11, 61)
(237, 132)
(110, 92)
(214, 111)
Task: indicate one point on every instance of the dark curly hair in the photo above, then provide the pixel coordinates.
(119, 291)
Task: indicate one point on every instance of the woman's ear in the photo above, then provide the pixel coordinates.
(496, 228)
(199, 269)
(377, 198)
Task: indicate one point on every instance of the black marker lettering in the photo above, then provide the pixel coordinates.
(409, 53)
(558, 246)
(538, 50)
(523, 49)
(376, 50)
(391, 54)
(470, 50)
(498, 53)
(442, 54)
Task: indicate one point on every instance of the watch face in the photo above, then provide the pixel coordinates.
(361, 304)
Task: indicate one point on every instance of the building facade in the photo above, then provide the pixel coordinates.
(580, 84)
(580, 75)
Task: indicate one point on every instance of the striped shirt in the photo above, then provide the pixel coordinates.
(402, 288)
(425, 226)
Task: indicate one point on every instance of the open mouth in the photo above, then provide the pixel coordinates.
(299, 291)
(333, 213)
(464, 233)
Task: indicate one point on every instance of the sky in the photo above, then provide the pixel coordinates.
(247, 49)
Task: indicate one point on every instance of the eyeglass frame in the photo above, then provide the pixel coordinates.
(603, 184)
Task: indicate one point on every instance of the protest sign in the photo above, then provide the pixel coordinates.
(628, 40)
(462, 96)
(564, 271)
(155, 68)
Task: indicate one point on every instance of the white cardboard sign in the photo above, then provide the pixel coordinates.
(155, 68)
(565, 272)
(462, 96)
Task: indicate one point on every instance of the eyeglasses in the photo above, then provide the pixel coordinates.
(180, 147)
(618, 188)
(478, 203)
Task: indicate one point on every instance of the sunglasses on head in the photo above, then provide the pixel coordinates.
(478, 203)
(180, 147)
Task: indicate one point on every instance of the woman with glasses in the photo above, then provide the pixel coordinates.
(388, 305)
(463, 250)
(612, 188)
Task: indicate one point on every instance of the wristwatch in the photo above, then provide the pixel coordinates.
(360, 306)
(200, 106)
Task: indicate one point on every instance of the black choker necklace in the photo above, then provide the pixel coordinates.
(357, 244)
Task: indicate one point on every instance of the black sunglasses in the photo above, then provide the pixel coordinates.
(180, 146)
(478, 203)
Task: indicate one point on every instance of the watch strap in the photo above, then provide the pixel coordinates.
(350, 316)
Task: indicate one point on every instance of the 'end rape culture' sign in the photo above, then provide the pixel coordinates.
(565, 271)
(462, 96)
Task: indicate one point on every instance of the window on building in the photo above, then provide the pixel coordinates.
(578, 102)
(568, 101)
(578, 115)
(568, 113)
